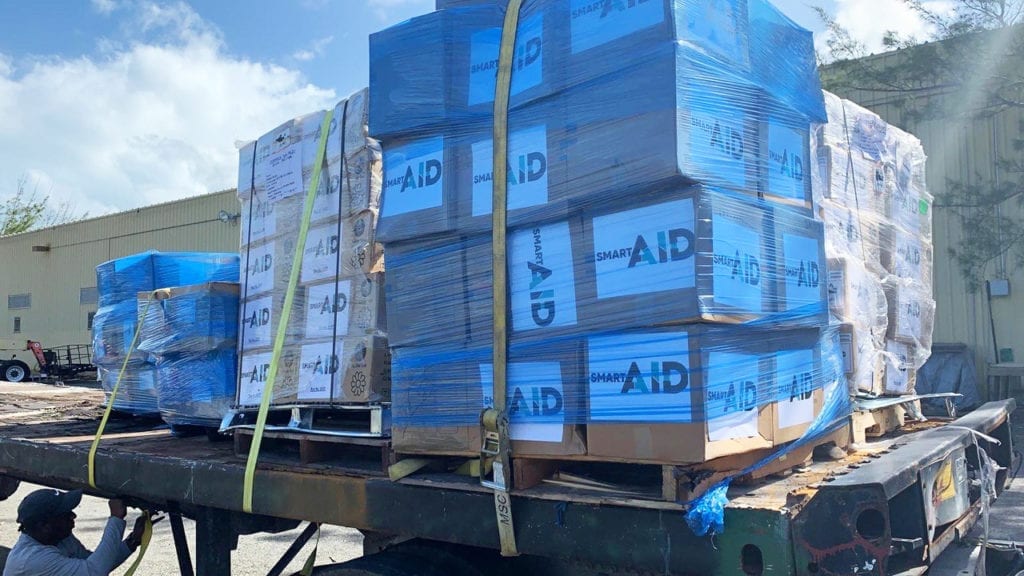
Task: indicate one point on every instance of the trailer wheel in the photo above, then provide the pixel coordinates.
(16, 371)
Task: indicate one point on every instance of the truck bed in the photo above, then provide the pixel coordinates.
(45, 434)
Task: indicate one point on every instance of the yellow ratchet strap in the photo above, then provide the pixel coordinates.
(496, 447)
(147, 535)
(282, 326)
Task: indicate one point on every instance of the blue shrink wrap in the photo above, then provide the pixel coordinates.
(121, 279)
(196, 388)
(136, 394)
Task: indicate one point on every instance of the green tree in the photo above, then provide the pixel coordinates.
(27, 210)
(970, 68)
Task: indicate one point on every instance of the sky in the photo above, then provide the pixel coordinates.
(115, 104)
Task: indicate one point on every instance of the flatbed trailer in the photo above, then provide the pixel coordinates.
(867, 514)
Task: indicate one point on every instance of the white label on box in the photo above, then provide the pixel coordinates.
(320, 256)
(318, 364)
(846, 349)
(542, 279)
(837, 292)
(257, 321)
(327, 309)
(595, 23)
(257, 216)
(281, 173)
(795, 375)
(255, 368)
(527, 170)
(527, 64)
(414, 177)
(802, 256)
(717, 130)
(640, 378)
(732, 395)
(737, 265)
(786, 160)
(646, 250)
(535, 399)
(259, 264)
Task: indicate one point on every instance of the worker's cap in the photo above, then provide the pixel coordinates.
(45, 504)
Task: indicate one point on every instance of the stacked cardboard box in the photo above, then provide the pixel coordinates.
(870, 190)
(659, 221)
(191, 333)
(335, 348)
(118, 283)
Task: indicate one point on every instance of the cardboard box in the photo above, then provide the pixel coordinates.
(361, 181)
(907, 256)
(847, 234)
(260, 317)
(197, 318)
(799, 385)
(687, 255)
(441, 67)
(785, 156)
(863, 361)
(799, 253)
(678, 396)
(344, 370)
(855, 295)
(704, 129)
(345, 307)
(255, 366)
(439, 396)
(419, 193)
(900, 373)
(858, 181)
(537, 189)
(911, 313)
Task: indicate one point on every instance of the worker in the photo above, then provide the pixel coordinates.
(47, 547)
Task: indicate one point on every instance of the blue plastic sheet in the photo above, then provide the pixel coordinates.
(119, 283)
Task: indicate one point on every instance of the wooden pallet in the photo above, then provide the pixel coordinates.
(354, 420)
(358, 453)
(876, 423)
(670, 483)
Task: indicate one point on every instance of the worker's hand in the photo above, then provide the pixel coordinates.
(135, 538)
(118, 508)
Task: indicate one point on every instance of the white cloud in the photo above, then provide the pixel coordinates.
(868, 20)
(104, 6)
(145, 121)
(385, 8)
(315, 49)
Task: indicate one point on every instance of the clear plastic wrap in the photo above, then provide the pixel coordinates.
(119, 282)
(870, 190)
(191, 334)
(692, 393)
(335, 349)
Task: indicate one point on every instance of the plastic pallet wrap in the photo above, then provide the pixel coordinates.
(191, 332)
(870, 191)
(659, 177)
(335, 348)
(661, 395)
(119, 281)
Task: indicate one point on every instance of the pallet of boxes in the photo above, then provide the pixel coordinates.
(667, 297)
(871, 192)
(333, 372)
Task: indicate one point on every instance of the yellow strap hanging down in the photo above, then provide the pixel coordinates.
(113, 393)
(282, 326)
(496, 422)
(147, 535)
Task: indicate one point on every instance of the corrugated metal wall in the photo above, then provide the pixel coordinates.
(964, 151)
(55, 279)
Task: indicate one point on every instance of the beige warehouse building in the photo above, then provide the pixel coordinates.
(48, 284)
